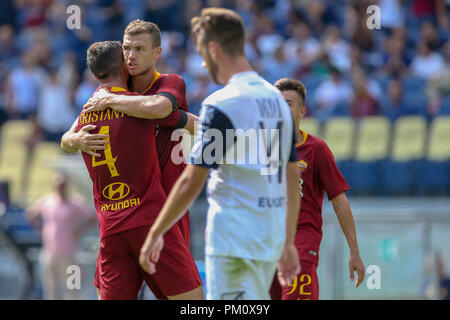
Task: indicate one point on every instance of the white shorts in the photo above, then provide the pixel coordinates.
(233, 278)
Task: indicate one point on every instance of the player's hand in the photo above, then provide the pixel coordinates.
(88, 142)
(98, 102)
(355, 264)
(288, 266)
(150, 253)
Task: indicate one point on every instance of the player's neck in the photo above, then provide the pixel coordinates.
(234, 66)
(299, 136)
(142, 82)
(120, 83)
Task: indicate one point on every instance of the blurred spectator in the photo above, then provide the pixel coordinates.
(277, 66)
(394, 104)
(429, 34)
(393, 14)
(8, 48)
(85, 90)
(55, 113)
(364, 102)
(330, 93)
(396, 60)
(427, 62)
(431, 10)
(436, 285)
(24, 83)
(337, 48)
(302, 45)
(62, 219)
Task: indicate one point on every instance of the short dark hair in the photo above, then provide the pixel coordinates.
(223, 26)
(139, 26)
(105, 59)
(285, 84)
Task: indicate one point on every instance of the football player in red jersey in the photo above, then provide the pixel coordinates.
(160, 94)
(128, 193)
(319, 174)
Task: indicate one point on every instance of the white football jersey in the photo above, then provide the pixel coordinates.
(246, 137)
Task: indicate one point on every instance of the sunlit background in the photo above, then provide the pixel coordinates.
(380, 99)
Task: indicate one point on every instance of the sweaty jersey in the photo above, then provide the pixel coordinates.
(247, 186)
(126, 177)
(319, 174)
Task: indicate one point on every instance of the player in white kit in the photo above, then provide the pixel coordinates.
(246, 143)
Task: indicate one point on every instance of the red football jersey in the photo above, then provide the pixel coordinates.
(319, 173)
(126, 178)
(173, 87)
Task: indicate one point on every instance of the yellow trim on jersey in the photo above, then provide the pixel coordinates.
(118, 89)
(305, 136)
(157, 74)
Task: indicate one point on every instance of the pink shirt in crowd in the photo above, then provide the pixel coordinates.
(60, 222)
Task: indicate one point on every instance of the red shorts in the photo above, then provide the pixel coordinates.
(120, 277)
(305, 286)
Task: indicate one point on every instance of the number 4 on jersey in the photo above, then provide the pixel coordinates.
(109, 160)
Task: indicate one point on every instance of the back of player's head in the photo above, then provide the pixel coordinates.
(105, 59)
(285, 84)
(138, 26)
(223, 26)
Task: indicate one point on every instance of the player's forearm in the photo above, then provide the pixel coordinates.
(182, 196)
(68, 140)
(343, 211)
(191, 123)
(293, 201)
(146, 107)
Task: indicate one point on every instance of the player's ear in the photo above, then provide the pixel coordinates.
(214, 49)
(158, 51)
(302, 111)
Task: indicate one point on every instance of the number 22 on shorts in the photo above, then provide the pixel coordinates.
(109, 160)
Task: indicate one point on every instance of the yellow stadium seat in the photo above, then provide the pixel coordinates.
(439, 141)
(13, 154)
(339, 134)
(311, 126)
(373, 139)
(42, 169)
(409, 138)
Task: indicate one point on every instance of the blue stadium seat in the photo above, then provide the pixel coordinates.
(396, 178)
(413, 84)
(445, 107)
(433, 178)
(341, 110)
(362, 177)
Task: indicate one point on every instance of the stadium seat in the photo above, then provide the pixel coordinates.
(373, 139)
(439, 139)
(339, 134)
(13, 154)
(361, 176)
(311, 125)
(396, 178)
(433, 178)
(444, 110)
(409, 138)
(42, 171)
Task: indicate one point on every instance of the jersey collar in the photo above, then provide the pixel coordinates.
(305, 136)
(156, 77)
(240, 75)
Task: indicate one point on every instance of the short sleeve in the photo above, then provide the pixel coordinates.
(329, 174)
(173, 87)
(175, 120)
(210, 143)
